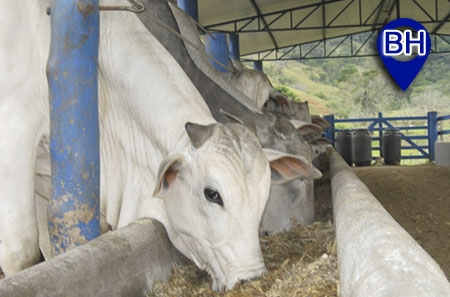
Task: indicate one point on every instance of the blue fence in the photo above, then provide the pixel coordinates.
(418, 134)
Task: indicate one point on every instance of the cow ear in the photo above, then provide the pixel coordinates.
(310, 131)
(307, 130)
(320, 121)
(198, 134)
(230, 118)
(167, 173)
(321, 141)
(235, 120)
(285, 167)
(279, 99)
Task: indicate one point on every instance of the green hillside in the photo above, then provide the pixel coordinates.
(360, 87)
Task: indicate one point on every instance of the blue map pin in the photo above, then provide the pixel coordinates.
(395, 45)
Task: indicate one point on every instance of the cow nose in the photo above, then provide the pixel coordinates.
(249, 280)
(252, 273)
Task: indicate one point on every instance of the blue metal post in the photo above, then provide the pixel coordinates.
(329, 133)
(73, 212)
(190, 7)
(432, 133)
(380, 132)
(258, 65)
(233, 46)
(217, 47)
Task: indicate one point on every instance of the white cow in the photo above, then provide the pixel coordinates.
(290, 202)
(254, 84)
(210, 181)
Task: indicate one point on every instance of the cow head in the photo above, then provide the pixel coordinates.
(292, 201)
(213, 197)
(254, 84)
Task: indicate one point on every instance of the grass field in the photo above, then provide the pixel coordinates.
(305, 83)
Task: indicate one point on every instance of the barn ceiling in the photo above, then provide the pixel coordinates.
(287, 29)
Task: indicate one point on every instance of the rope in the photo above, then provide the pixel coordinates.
(186, 40)
(138, 7)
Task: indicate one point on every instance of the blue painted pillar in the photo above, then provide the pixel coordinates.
(190, 7)
(216, 43)
(73, 212)
(258, 65)
(380, 131)
(217, 47)
(233, 46)
(329, 133)
(432, 133)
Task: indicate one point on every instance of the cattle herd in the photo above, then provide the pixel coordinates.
(216, 165)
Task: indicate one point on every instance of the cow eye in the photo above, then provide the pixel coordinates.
(213, 196)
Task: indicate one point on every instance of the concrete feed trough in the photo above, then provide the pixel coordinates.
(125, 262)
(376, 256)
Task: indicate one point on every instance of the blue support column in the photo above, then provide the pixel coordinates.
(380, 131)
(233, 46)
(73, 213)
(329, 133)
(258, 65)
(190, 7)
(217, 47)
(432, 133)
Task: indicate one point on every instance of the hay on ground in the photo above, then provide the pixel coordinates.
(301, 262)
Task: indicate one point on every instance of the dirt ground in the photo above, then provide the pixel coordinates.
(418, 197)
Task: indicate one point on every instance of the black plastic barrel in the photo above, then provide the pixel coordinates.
(344, 145)
(362, 147)
(392, 147)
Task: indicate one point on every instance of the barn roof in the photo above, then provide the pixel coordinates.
(286, 29)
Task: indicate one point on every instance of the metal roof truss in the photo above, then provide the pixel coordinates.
(353, 45)
(321, 28)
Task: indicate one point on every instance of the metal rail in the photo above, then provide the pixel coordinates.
(377, 125)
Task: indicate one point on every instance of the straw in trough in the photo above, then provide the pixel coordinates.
(301, 262)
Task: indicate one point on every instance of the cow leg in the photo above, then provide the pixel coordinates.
(19, 247)
(43, 192)
(24, 42)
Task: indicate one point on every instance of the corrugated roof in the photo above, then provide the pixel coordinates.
(267, 27)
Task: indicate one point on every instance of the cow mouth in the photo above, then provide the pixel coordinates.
(240, 275)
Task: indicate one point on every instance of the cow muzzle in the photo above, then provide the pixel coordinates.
(245, 274)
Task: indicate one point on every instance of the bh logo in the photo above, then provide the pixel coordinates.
(402, 51)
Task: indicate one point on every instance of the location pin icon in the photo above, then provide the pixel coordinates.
(395, 45)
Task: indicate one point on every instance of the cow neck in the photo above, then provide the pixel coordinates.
(210, 91)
